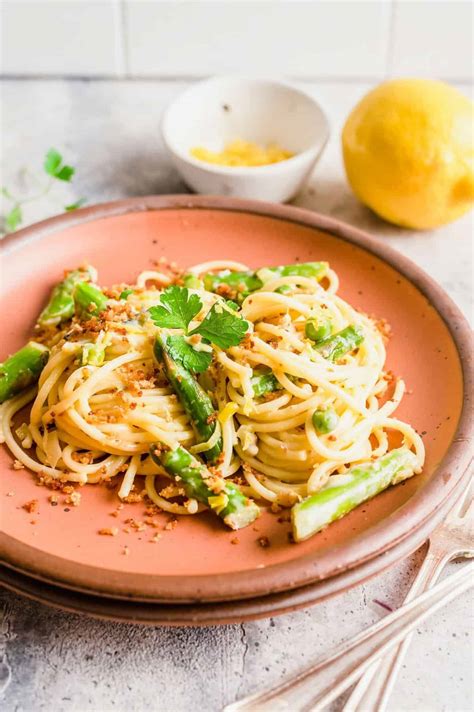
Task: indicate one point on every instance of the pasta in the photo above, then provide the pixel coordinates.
(290, 413)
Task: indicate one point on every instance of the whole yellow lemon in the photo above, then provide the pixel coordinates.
(408, 152)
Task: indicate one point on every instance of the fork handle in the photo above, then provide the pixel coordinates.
(320, 684)
(375, 686)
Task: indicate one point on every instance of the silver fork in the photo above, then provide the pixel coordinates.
(452, 539)
(317, 686)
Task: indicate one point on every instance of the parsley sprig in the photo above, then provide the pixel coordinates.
(221, 326)
(55, 169)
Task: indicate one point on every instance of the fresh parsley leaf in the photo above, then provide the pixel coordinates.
(186, 355)
(65, 173)
(176, 309)
(14, 218)
(232, 305)
(74, 206)
(53, 166)
(52, 162)
(221, 327)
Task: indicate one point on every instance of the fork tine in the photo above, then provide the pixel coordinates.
(468, 512)
(463, 506)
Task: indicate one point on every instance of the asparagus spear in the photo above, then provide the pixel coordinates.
(89, 300)
(302, 269)
(335, 346)
(193, 397)
(243, 283)
(22, 369)
(345, 492)
(263, 383)
(60, 306)
(224, 498)
(192, 282)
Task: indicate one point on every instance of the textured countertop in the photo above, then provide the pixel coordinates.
(66, 662)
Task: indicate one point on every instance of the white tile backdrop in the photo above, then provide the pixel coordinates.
(304, 39)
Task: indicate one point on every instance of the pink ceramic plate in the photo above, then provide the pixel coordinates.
(196, 562)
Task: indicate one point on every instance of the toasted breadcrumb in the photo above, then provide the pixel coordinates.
(10, 494)
(74, 498)
(31, 506)
(133, 497)
(125, 551)
(17, 465)
(108, 531)
(264, 542)
(155, 538)
(171, 524)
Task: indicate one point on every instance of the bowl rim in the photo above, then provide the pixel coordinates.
(310, 153)
(404, 523)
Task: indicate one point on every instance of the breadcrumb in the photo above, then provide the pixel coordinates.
(31, 506)
(109, 531)
(74, 498)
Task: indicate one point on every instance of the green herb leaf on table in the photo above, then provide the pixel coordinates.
(182, 352)
(74, 206)
(222, 327)
(176, 309)
(13, 218)
(52, 162)
(53, 166)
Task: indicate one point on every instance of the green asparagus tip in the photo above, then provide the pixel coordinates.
(343, 493)
(89, 300)
(22, 369)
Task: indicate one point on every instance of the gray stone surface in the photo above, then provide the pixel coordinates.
(69, 663)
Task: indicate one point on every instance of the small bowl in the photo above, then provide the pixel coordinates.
(222, 109)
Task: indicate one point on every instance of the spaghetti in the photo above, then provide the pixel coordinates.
(299, 400)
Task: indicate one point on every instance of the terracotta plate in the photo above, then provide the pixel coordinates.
(196, 562)
(223, 612)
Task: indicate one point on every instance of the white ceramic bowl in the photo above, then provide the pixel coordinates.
(213, 112)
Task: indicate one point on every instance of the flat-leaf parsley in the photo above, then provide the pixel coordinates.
(221, 326)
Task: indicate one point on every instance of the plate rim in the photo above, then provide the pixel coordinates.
(400, 525)
(220, 613)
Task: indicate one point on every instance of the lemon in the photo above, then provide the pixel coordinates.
(408, 152)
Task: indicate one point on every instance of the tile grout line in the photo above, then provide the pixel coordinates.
(323, 79)
(121, 49)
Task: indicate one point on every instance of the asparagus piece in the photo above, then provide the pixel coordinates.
(303, 269)
(22, 369)
(345, 492)
(93, 354)
(317, 329)
(325, 421)
(89, 300)
(192, 282)
(60, 306)
(222, 497)
(243, 283)
(263, 383)
(193, 397)
(334, 347)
